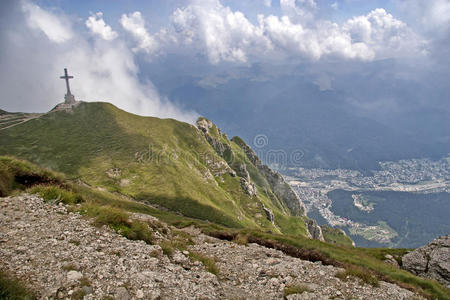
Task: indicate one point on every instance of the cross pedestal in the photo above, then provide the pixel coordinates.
(69, 98)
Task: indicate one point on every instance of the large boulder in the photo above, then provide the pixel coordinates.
(431, 261)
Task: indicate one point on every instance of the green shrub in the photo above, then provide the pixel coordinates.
(111, 216)
(208, 262)
(118, 220)
(139, 231)
(167, 248)
(241, 239)
(55, 194)
(11, 288)
(294, 289)
(361, 273)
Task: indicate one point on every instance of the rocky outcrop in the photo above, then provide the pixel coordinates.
(217, 167)
(279, 186)
(207, 128)
(248, 187)
(389, 259)
(269, 214)
(431, 261)
(222, 147)
(314, 230)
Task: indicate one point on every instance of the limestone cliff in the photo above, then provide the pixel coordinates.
(278, 185)
(276, 181)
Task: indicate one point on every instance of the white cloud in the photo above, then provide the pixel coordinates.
(268, 3)
(102, 71)
(430, 14)
(55, 29)
(227, 35)
(384, 34)
(301, 11)
(98, 26)
(224, 34)
(326, 39)
(135, 24)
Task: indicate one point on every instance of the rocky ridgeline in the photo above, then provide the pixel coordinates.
(282, 190)
(61, 255)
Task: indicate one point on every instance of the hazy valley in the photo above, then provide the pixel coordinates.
(385, 207)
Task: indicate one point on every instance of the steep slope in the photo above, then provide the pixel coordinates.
(166, 163)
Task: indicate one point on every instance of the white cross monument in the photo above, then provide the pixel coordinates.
(69, 98)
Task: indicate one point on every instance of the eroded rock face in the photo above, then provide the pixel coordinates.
(314, 230)
(248, 187)
(431, 261)
(276, 181)
(204, 125)
(269, 214)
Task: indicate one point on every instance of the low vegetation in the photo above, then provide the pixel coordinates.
(56, 194)
(12, 288)
(359, 272)
(120, 221)
(208, 262)
(294, 289)
(336, 236)
(16, 174)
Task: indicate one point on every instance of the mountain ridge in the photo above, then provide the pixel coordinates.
(145, 158)
(113, 164)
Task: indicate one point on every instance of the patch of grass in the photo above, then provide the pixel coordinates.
(154, 253)
(361, 273)
(12, 288)
(108, 215)
(16, 174)
(138, 230)
(69, 267)
(56, 194)
(380, 253)
(119, 220)
(294, 289)
(180, 240)
(241, 239)
(336, 236)
(78, 294)
(167, 248)
(208, 262)
(75, 242)
(85, 282)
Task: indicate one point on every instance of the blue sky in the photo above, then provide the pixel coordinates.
(119, 44)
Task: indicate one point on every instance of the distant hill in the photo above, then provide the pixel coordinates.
(164, 162)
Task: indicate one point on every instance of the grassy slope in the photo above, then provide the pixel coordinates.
(158, 161)
(336, 236)
(368, 261)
